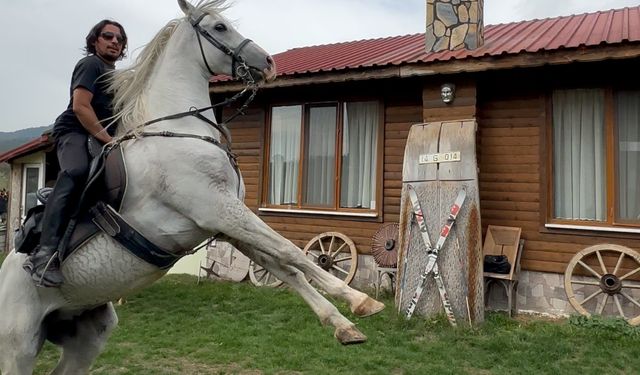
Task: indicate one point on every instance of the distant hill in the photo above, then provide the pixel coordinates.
(11, 140)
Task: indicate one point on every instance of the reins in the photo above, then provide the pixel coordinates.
(197, 112)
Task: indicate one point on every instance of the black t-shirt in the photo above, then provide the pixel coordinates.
(89, 73)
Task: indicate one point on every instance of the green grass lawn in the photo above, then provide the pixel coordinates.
(178, 327)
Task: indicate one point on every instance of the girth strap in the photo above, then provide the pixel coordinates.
(110, 222)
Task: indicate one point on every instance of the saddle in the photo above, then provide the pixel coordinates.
(98, 211)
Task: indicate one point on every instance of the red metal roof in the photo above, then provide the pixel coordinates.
(26, 148)
(589, 29)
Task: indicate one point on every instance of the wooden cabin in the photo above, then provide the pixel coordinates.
(33, 166)
(558, 135)
(557, 109)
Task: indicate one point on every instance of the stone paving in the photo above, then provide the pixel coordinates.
(544, 293)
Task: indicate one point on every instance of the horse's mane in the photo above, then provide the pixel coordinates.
(128, 84)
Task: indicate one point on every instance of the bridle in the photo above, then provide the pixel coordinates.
(239, 69)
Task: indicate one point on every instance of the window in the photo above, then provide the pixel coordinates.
(324, 156)
(318, 183)
(596, 155)
(284, 155)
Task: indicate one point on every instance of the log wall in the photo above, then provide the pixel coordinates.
(511, 111)
(247, 135)
(512, 118)
(462, 107)
(400, 112)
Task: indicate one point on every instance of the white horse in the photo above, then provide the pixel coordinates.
(187, 182)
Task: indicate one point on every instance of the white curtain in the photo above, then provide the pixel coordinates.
(579, 154)
(320, 157)
(359, 152)
(628, 141)
(284, 155)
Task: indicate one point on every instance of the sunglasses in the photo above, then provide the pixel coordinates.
(108, 35)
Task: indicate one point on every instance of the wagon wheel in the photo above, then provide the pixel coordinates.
(261, 277)
(329, 251)
(603, 283)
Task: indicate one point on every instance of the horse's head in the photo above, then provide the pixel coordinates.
(223, 49)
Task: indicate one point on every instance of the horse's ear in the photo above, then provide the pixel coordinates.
(185, 6)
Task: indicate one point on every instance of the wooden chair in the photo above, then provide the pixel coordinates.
(504, 241)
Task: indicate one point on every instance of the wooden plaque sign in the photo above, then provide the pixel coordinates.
(439, 161)
(444, 157)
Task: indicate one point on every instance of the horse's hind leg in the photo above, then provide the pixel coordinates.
(82, 338)
(21, 314)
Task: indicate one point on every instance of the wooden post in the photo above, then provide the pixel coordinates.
(14, 215)
(437, 184)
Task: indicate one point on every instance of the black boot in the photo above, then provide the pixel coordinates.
(44, 264)
(44, 267)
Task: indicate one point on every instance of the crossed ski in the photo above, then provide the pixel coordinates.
(432, 257)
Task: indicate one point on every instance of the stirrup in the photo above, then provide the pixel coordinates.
(41, 281)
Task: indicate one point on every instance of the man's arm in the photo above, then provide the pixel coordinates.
(87, 116)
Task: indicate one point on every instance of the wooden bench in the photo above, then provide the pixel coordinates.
(501, 240)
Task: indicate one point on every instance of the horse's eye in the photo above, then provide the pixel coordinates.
(220, 27)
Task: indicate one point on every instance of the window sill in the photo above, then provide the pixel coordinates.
(593, 228)
(324, 213)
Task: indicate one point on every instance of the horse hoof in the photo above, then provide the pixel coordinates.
(350, 335)
(368, 307)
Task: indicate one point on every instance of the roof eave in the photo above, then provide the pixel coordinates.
(34, 145)
(451, 66)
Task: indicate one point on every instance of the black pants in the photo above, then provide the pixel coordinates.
(74, 160)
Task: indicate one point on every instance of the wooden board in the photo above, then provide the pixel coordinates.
(503, 241)
(437, 185)
(226, 262)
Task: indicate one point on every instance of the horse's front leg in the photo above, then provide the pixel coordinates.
(345, 331)
(237, 221)
(215, 208)
(242, 224)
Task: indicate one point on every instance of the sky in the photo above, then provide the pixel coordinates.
(42, 39)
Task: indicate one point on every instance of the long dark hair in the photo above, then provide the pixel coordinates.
(95, 33)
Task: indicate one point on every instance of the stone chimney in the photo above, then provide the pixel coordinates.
(454, 24)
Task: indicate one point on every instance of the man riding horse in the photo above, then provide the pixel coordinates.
(177, 168)
(87, 115)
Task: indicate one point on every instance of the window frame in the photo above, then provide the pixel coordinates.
(23, 184)
(612, 223)
(299, 208)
